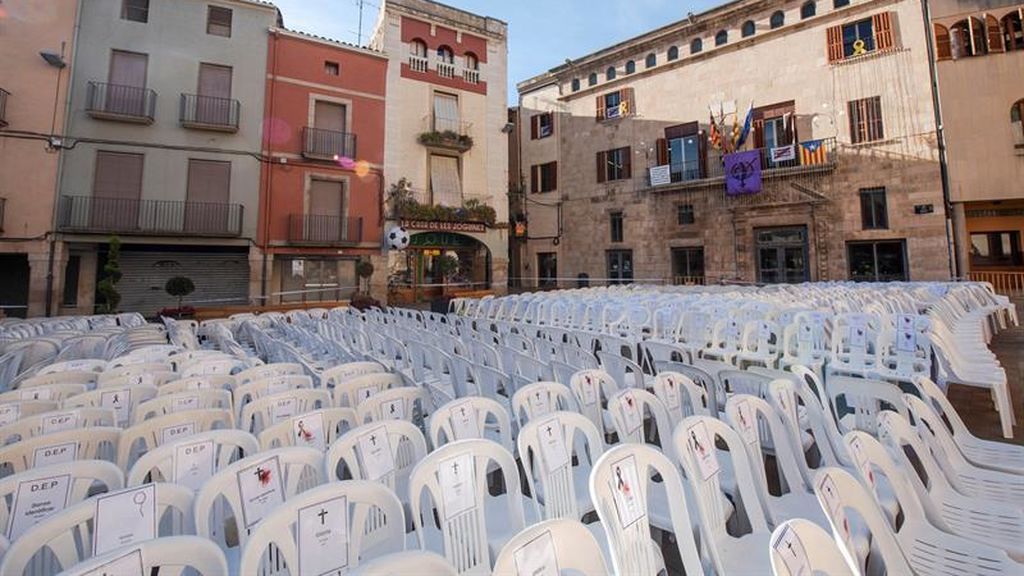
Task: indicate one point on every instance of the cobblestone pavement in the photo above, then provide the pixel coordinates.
(975, 404)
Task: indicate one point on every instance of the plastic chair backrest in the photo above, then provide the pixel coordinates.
(630, 408)
(548, 447)
(165, 555)
(541, 398)
(865, 399)
(302, 429)
(55, 420)
(408, 562)
(122, 400)
(572, 547)
(158, 465)
(801, 544)
(213, 381)
(269, 371)
(97, 443)
(410, 403)
(271, 409)
(179, 401)
(149, 434)
(345, 458)
(470, 417)
(592, 389)
(356, 389)
(245, 393)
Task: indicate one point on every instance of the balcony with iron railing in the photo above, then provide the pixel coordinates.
(447, 133)
(3, 107)
(324, 230)
(123, 103)
(322, 144)
(698, 173)
(88, 214)
(209, 113)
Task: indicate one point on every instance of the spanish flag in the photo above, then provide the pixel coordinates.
(813, 152)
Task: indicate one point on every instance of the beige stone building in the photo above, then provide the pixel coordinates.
(446, 109)
(33, 94)
(979, 49)
(621, 178)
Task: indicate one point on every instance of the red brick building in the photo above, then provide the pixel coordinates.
(321, 192)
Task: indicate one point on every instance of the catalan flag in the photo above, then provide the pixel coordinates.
(813, 152)
(714, 135)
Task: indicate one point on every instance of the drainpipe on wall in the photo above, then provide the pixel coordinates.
(952, 241)
(267, 137)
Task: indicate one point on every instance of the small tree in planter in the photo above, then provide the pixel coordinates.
(364, 270)
(447, 265)
(179, 287)
(107, 288)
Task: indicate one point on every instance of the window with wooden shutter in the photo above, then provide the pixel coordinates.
(866, 120)
(534, 180)
(552, 177)
(884, 35)
(602, 166)
(534, 122)
(995, 34)
(627, 162)
(834, 37)
(218, 21)
(661, 145)
(943, 48)
(599, 106)
(626, 97)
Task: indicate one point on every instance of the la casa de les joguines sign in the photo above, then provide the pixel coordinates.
(443, 226)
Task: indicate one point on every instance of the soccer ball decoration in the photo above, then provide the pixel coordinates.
(398, 238)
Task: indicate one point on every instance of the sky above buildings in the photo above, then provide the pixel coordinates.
(542, 33)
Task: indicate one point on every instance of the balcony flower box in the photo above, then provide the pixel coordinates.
(447, 139)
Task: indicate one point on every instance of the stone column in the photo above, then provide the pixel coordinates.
(961, 240)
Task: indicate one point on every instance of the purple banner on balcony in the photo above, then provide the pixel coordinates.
(743, 173)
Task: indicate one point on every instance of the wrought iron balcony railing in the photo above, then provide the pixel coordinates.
(3, 107)
(805, 157)
(118, 102)
(209, 112)
(321, 144)
(324, 229)
(148, 217)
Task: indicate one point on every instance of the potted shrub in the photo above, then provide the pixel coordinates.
(179, 287)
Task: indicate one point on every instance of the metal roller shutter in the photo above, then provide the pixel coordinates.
(221, 278)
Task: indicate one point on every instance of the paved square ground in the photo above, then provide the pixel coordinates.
(975, 404)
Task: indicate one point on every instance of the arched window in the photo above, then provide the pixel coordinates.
(592, 79)
(748, 28)
(418, 48)
(777, 19)
(673, 53)
(837, 4)
(1013, 32)
(696, 46)
(445, 54)
(651, 61)
(575, 84)
(472, 62)
(943, 49)
(630, 67)
(967, 38)
(808, 10)
(721, 38)
(609, 74)
(1017, 123)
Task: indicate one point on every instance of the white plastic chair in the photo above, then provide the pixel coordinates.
(694, 442)
(218, 504)
(148, 434)
(50, 546)
(82, 365)
(332, 421)
(408, 562)
(266, 411)
(269, 371)
(471, 417)
(571, 546)
(213, 381)
(352, 391)
(539, 399)
(49, 392)
(592, 389)
(801, 547)
(245, 393)
(468, 539)
(331, 377)
(412, 403)
(619, 487)
(97, 443)
(55, 421)
(158, 465)
(142, 379)
(14, 410)
(78, 377)
(168, 555)
(680, 396)
(375, 525)
(760, 344)
(190, 400)
(122, 400)
(631, 408)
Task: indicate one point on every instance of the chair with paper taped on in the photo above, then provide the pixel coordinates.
(408, 562)
(411, 403)
(315, 429)
(680, 396)
(857, 402)
(760, 345)
(210, 382)
(146, 379)
(927, 548)
(623, 370)
(980, 518)
(592, 389)
(800, 546)
(965, 477)
(632, 409)
(192, 460)
(100, 525)
(726, 337)
(96, 443)
(235, 499)
(352, 391)
(654, 351)
(706, 381)
(324, 530)
(167, 555)
(132, 370)
(83, 365)
(539, 399)
(55, 421)
(162, 405)
(473, 524)
(552, 547)
(14, 410)
(207, 367)
(122, 400)
(744, 548)
(245, 393)
(269, 371)
(34, 495)
(266, 411)
(471, 417)
(148, 434)
(904, 348)
(854, 346)
(620, 485)
(983, 453)
(88, 378)
(805, 342)
(49, 392)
